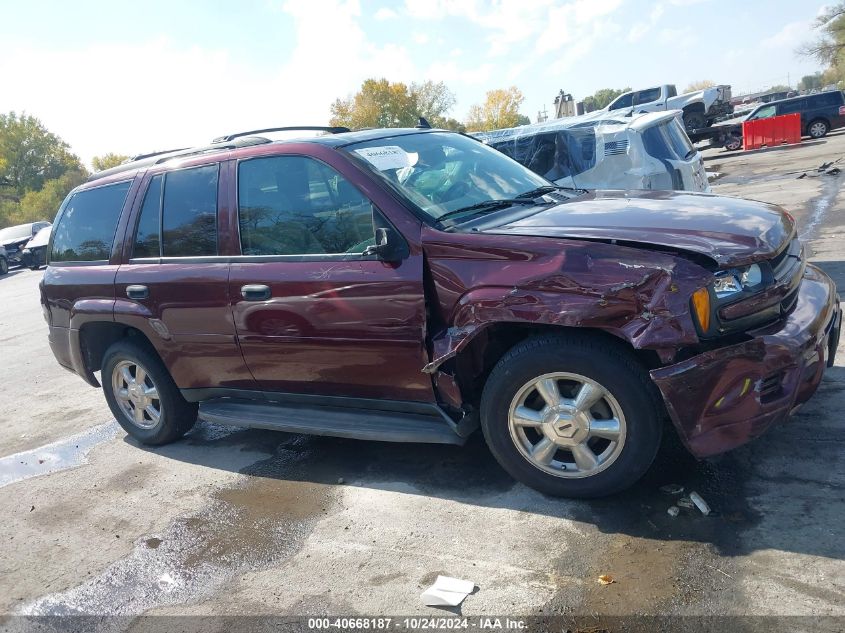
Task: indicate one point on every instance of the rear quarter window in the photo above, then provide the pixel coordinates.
(85, 231)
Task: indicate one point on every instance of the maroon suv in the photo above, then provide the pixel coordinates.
(413, 284)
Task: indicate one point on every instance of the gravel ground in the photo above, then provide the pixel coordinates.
(236, 522)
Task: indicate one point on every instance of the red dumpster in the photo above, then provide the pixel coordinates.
(777, 130)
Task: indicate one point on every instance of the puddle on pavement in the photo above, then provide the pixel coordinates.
(245, 528)
(820, 205)
(61, 455)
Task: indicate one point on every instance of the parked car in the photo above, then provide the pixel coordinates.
(4, 261)
(820, 113)
(34, 254)
(412, 285)
(643, 151)
(700, 108)
(14, 238)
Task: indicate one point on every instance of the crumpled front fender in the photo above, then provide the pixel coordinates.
(637, 295)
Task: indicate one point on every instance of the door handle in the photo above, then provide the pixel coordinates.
(255, 292)
(137, 292)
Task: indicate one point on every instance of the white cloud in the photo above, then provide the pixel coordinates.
(385, 13)
(421, 38)
(790, 36)
(640, 29)
(98, 102)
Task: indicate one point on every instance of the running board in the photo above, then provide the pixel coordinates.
(359, 424)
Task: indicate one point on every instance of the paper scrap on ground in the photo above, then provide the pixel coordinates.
(447, 592)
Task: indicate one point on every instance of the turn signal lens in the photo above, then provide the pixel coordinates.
(701, 307)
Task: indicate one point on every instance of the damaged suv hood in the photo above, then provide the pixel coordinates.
(730, 231)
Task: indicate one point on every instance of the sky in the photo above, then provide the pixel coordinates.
(133, 77)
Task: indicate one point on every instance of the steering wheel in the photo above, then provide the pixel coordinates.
(455, 191)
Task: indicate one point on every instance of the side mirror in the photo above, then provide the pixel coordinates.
(389, 246)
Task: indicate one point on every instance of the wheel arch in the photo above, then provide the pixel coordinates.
(95, 338)
(695, 107)
(475, 359)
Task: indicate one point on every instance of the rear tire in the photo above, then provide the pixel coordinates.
(818, 128)
(601, 437)
(142, 395)
(733, 143)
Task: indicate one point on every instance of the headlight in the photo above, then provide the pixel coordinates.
(730, 282)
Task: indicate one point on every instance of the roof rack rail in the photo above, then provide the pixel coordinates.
(132, 159)
(156, 158)
(314, 128)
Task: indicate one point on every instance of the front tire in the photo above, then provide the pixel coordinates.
(571, 415)
(694, 121)
(4, 266)
(142, 395)
(818, 128)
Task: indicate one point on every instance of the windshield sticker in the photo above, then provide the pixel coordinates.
(387, 157)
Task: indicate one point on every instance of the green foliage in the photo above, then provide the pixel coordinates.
(107, 161)
(37, 170)
(500, 110)
(810, 82)
(602, 98)
(829, 46)
(381, 103)
(30, 154)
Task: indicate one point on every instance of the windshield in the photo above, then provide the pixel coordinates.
(15, 232)
(442, 172)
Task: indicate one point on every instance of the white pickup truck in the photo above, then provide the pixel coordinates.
(701, 108)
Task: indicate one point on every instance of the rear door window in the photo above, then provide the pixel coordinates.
(179, 215)
(148, 234)
(791, 107)
(647, 96)
(189, 213)
(85, 231)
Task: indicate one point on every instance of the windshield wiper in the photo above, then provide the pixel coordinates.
(486, 205)
(539, 191)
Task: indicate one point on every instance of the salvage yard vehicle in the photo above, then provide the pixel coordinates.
(413, 285)
(700, 107)
(14, 238)
(34, 253)
(644, 151)
(820, 113)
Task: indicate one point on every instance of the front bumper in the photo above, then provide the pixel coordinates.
(725, 397)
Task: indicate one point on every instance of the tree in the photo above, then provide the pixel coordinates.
(810, 82)
(30, 154)
(107, 161)
(44, 203)
(701, 84)
(499, 110)
(37, 170)
(381, 103)
(602, 98)
(828, 48)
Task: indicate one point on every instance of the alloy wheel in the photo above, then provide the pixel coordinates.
(567, 425)
(136, 394)
(818, 129)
